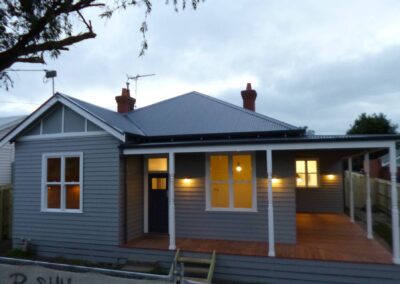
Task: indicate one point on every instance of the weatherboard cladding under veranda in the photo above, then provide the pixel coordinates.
(113, 211)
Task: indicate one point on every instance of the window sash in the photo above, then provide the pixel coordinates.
(62, 183)
(231, 184)
(307, 173)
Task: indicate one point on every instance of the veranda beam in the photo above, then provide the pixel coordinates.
(171, 201)
(271, 229)
(351, 186)
(368, 194)
(395, 209)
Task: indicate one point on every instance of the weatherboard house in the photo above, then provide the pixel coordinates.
(199, 174)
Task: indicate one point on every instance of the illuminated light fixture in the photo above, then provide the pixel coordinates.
(331, 177)
(275, 179)
(298, 178)
(238, 168)
(187, 181)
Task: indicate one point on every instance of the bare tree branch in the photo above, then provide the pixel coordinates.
(31, 59)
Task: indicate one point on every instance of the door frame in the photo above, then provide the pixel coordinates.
(146, 187)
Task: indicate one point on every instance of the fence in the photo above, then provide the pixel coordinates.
(5, 212)
(380, 192)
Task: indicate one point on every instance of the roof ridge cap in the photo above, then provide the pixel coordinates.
(127, 117)
(256, 114)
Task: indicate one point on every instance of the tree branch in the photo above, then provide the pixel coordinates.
(31, 59)
(57, 45)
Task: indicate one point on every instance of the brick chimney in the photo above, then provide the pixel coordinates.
(249, 98)
(125, 102)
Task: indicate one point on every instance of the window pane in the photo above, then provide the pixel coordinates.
(54, 196)
(72, 196)
(158, 183)
(219, 167)
(300, 166)
(54, 169)
(242, 195)
(300, 180)
(241, 167)
(72, 169)
(157, 164)
(312, 166)
(220, 195)
(312, 180)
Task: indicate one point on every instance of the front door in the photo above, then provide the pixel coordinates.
(158, 203)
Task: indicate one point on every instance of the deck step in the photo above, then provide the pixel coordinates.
(194, 260)
(190, 270)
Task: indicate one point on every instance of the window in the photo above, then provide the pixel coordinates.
(231, 183)
(62, 182)
(307, 173)
(157, 164)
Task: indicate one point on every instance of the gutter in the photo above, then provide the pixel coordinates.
(239, 141)
(79, 268)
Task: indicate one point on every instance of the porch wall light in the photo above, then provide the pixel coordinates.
(238, 168)
(187, 181)
(330, 177)
(275, 180)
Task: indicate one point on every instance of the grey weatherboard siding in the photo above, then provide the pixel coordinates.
(99, 222)
(134, 197)
(328, 198)
(190, 202)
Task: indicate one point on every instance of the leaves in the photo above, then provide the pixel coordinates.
(372, 124)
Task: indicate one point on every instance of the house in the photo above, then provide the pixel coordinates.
(7, 151)
(199, 174)
(380, 167)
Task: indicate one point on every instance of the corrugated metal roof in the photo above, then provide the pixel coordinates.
(189, 114)
(112, 118)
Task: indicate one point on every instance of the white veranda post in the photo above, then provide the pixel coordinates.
(395, 209)
(171, 201)
(271, 232)
(368, 195)
(351, 187)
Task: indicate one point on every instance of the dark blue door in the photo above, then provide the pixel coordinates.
(158, 203)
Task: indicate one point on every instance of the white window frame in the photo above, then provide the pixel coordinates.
(62, 183)
(306, 159)
(231, 207)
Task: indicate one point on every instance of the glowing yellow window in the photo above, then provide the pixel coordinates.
(219, 175)
(231, 181)
(307, 173)
(157, 164)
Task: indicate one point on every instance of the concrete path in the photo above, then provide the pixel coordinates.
(27, 274)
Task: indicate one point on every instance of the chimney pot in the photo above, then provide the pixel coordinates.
(249, 98)
(125, 102)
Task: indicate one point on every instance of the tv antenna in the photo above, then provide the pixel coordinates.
(136, 78)
(48, 74)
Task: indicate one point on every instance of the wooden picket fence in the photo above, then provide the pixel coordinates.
(5, 212)
(380, 192)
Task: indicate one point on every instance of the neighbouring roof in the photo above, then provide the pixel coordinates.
(189, 114)
(385, 159)
(8, 122)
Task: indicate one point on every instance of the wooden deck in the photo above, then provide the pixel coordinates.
(319, 237)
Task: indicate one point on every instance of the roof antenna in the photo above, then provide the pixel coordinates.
(136, 78)
(48, 74)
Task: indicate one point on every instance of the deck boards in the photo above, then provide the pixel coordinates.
(319, 237)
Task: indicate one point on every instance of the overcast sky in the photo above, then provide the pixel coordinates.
(313, 63)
